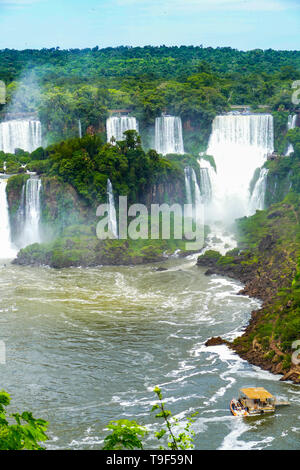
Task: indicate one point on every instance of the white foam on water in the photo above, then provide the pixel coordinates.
(233, 442)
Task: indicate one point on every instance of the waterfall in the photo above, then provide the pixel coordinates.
(198, 198)
(79, 129)
(30, 212)
(6, 248)
(23, 134)
(205, 183)
(257, 201)
(112, 221)
(116, 126)
(188, 188)
(193, 193)
(292, 121)
(239, 144)
(168, 135)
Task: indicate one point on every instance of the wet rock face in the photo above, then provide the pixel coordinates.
(171, 192)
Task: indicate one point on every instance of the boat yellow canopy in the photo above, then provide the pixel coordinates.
(256, 393)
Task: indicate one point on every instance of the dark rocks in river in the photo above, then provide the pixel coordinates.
(217, 341)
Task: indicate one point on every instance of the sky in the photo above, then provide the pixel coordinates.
(242, 24)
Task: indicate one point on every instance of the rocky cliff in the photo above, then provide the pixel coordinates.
(266, 261)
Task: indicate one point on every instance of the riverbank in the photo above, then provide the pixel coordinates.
(80, 247)
(266, 261)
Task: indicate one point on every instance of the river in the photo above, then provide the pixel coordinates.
(85, 346)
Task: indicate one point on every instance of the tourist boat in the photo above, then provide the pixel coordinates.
(252, 402)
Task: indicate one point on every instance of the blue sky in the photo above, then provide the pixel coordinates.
(243, 24)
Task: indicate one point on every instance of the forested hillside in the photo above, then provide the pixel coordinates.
(193, 82)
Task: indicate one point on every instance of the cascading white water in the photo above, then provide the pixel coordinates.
(257, 201)
(239, 145)
(79, 129)
(193, 193)
(205, 183)
(6, 248)
(168, 135)
(116, 126)
(30, 211)
(23, 134)
(188, 188)
(198, 198)
(112, 216)
(292, 121)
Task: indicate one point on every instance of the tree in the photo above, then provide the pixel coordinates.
(127, 434)
(27, 433)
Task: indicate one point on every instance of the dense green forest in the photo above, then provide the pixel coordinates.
(195, 83)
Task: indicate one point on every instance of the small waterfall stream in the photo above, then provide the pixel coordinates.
(79, 129)
(205, 183)
(193, 193)
(112, 222)
(30, 212)
(257, 201)
(6, 248)
(292, 121)
(168, 135)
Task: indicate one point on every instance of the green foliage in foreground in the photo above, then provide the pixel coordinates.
(125, 435)
(128, 434)
(27, 433)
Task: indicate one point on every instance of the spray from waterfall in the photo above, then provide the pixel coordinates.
(168, 135)
(116, 126)
(6, 247)
(292, 121)
(112, 215)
